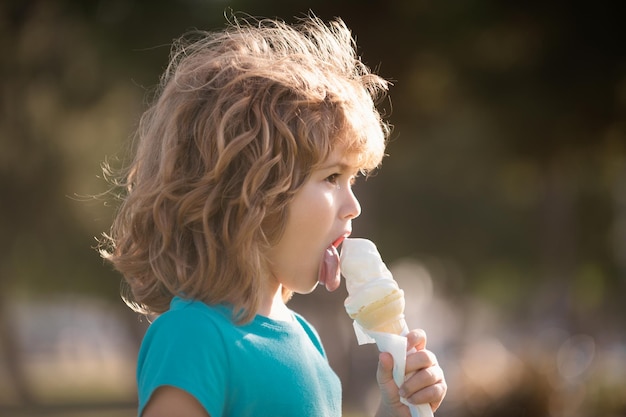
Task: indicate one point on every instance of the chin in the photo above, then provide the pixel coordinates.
(305, 290)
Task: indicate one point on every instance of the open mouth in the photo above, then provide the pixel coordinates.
(339, 241)
(329, 273)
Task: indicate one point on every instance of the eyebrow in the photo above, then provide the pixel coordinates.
(339, 166)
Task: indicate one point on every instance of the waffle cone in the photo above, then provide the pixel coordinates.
(385, 315)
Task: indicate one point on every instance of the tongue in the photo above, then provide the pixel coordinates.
(329, 274)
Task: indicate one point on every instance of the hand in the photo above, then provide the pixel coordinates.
(424, 384)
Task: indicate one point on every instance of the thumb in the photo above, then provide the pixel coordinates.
(386, 383)
(384, 373)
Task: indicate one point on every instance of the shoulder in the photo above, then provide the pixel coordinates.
(186, 329)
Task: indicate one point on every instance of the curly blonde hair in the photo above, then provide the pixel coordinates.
(241, 118)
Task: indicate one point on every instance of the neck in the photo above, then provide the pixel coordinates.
(273, 306)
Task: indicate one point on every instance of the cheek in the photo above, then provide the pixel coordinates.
(316, 214)
(311, 216)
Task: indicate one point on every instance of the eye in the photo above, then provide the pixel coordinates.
(333, 178)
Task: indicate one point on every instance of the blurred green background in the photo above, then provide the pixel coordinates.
(501, 208)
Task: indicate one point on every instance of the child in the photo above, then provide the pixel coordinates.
(239, 195)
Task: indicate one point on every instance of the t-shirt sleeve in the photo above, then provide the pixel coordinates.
(183, 351)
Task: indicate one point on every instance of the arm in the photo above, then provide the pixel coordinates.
(425, 383)
(173, 402)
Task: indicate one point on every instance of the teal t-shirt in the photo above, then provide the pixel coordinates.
(263, 368)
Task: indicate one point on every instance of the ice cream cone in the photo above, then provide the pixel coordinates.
(376, 304)
(374, 299)
(384, 315)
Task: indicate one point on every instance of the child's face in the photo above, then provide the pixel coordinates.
(319, 217)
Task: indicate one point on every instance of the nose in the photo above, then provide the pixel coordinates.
(351, 209)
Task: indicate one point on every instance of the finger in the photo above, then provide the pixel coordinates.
(419, 360)
(426, 386)
(416, 339)
(432, 395)
(423, 379)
